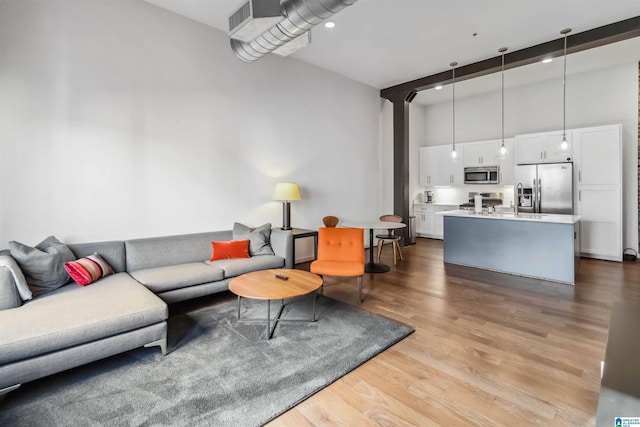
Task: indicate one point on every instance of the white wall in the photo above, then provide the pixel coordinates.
(605, 96)
(119, 120)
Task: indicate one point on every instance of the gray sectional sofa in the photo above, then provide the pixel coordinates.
(74, 325)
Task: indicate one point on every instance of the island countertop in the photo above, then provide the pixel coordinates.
(509, 216)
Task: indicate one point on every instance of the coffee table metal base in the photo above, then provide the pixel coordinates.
(271, 329)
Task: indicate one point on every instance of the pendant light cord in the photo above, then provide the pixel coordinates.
(503, 50)
(564, 32)
(453, 87)
(564, 91)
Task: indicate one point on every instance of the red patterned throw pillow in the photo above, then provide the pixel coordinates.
(89, 269)
(230, 249)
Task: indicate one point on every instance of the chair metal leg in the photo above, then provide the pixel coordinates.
(360, 289)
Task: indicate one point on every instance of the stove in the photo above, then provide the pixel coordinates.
(488, 200)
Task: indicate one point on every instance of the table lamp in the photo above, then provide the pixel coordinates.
(286, 192)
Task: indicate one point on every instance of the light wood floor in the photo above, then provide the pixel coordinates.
(488, 349)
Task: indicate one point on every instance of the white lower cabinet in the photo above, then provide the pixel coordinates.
(424, 219)
(428, 223)
(601, 222)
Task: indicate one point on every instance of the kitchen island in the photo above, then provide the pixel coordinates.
(542, 246)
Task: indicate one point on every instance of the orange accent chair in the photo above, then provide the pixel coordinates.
(394, 239)
(340, 254)
(330, 221)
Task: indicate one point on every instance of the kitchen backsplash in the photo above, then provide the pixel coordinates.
(458, 195)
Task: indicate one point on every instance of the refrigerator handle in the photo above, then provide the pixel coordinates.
(539, 195)
(534, 197)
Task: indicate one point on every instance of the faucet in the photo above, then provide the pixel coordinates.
(519, 191)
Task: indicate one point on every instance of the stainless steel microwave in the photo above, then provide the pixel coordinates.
(482, 175)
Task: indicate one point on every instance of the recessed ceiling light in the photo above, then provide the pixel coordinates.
(438, 87)
(547, 60)
(329, 24)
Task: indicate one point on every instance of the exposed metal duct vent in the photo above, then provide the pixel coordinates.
(295, 44)
(297, 18)
(253, 18)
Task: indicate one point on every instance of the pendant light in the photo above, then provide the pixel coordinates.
(564, 149)
(503, 153)
(454, 153)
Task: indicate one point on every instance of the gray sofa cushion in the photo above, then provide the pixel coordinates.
(259, 238)
(9, 297)
(74, 315)
(112, 252)
(162, 279)
(171, 250)
(236, 267)
(43, 265)
(11, 265)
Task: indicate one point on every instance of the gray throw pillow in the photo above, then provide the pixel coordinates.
(43, 266)
(259, 238)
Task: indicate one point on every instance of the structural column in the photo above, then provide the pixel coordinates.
(401, 159)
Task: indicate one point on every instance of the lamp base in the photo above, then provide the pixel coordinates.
(286, 215)
(286, 228)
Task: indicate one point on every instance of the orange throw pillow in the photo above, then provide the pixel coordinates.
(230, 249)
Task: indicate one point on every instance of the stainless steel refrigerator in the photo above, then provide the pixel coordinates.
(544, 188)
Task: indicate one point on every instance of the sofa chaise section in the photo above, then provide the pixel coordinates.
(72, 326)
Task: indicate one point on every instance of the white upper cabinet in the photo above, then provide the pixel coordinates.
(428, 166)
(450, 173)
(541, 148)
(597, 155)
(506, 165)
(483, 153)
(437, 169)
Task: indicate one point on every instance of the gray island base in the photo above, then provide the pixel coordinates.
(542, 246)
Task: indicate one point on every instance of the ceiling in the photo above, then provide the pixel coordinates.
(386, 42)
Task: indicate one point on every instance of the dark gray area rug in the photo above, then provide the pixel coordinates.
(219, 372)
